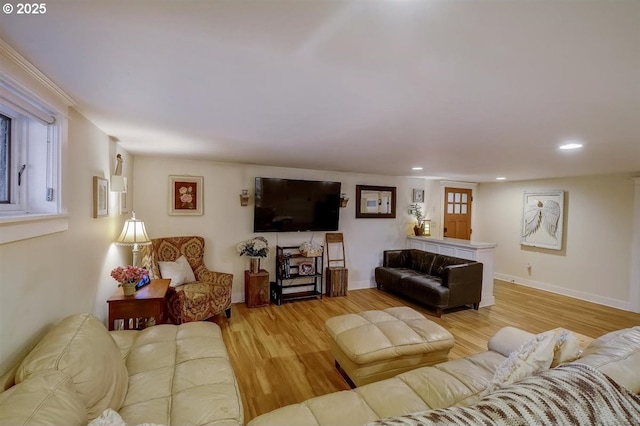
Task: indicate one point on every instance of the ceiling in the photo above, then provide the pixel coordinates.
(469, 90)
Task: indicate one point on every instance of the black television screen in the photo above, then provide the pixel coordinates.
(287, 205)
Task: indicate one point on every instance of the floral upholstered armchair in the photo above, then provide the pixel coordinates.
(209, 295)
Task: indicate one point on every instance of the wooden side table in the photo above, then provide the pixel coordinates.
(256, 288)
(144, 308)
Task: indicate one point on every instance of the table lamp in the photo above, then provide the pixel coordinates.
(133, 234)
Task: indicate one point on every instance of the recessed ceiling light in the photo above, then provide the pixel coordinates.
(571, 145)
(501, 178)
(416, 168)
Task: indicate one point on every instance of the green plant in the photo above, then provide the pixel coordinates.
(416, 211)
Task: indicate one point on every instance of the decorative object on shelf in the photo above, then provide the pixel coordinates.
(418, 196)
(185, 195)
(306, 268)
(426, 228)
(310, 249)
(128, 276)
(133, 234)
(375, 201)
(100, 197)
(416, 210)
(244, 198)
(343, 200)
(118, 182)
(542, 219)
(254, 248)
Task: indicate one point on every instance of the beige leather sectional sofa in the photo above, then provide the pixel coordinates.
(166, 374)
(181, 375)
(459, 382)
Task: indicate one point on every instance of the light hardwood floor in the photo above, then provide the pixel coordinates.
(280, 354)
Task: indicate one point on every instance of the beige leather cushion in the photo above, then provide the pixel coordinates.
(617, 354)
(372, 336)
(46, 398)
(81, 347)
(181, 375)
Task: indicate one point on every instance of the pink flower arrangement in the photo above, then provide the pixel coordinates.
(129, 274)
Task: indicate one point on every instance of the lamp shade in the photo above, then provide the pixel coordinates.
(133, 232)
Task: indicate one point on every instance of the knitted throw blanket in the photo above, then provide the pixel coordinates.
(571, 394)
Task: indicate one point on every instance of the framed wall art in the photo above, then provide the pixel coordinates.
(375, 201)
(418, 196)
(306, 268)
(124, 206)
(100, 197)
(186, 195)
(543, 219)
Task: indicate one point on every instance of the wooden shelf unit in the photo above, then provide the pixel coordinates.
(290, 284)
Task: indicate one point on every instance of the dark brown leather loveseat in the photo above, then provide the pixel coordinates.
(432, 279)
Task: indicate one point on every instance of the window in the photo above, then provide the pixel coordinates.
(29, 156)
(5, 158)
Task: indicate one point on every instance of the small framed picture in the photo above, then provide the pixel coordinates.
(418, 195)
(124, 206)
(185, 195)
(306, 268)
(100, 197)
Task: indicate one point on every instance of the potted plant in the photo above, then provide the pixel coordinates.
(255, 248)
(416, 211)
(128, 276)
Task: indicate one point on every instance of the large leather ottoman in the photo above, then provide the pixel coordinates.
(376, 345)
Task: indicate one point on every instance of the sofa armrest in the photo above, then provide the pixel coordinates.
(464, 282)
(396, 258)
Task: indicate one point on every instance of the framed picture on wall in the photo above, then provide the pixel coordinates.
(186, 195)
(418, 195)
(543, 219)
(375, 201)
(100, 197)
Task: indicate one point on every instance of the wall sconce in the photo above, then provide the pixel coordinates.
(244, 198)
(343, 200)
(118, 182)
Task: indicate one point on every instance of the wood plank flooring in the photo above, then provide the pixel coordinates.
(280, 354)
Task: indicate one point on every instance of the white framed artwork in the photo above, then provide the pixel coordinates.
(543, 219)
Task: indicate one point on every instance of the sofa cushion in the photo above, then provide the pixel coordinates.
(81, 347)
(616, 354)
(393, 276)
(531, 357)
(179, 271)
(48, 397)
(181, 375)
(421, 261)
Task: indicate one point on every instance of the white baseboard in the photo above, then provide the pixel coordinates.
(600, 300)
(359, 285)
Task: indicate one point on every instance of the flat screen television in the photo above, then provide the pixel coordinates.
(288, 205)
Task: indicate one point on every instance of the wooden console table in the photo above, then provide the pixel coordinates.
(144, 308)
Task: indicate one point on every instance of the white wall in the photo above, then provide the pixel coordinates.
(225, 223)
(44, 279)
(595, 261)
